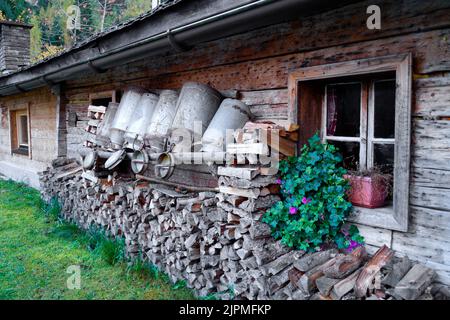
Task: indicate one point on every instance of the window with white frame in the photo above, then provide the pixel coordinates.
(359, 118)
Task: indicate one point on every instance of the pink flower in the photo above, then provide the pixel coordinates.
(293, 210)
(352, 246)
(278, 181)
(306, 200)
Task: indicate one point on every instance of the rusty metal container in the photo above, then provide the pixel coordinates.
(197, 103)
(232, 114)
(124, 115)
(140, 120)
(104, 130)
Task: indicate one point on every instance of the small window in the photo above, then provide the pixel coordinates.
(102, 98)
(20, 132)
(22, 129)
(359, 118)
(364, 108)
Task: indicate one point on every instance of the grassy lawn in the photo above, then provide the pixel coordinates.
(36, 250)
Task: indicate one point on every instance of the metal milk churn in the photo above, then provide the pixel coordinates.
(162, 119)
(140, 121)
(196, 106)
(232, 114)
(104, 130)
(123, 116)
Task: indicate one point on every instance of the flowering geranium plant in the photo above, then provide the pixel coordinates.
(314, 207)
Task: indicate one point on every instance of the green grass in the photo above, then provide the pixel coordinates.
(36, 249)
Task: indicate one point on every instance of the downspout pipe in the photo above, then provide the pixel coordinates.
(240, 19)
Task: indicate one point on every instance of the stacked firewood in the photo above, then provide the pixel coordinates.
(216, 242)
(95, 115)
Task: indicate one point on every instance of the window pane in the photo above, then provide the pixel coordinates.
(384, 109)
(343, 109)
(24, 130)
(384, 157)
(349, 152)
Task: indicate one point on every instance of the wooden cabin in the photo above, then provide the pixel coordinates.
(291, 62)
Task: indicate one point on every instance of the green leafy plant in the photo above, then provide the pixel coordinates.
(312, 214)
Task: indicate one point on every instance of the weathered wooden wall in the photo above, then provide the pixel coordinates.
(257, 64)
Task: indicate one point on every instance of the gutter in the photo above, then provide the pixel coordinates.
(243, 18)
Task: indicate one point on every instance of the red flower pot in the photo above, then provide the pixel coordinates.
(367, 192)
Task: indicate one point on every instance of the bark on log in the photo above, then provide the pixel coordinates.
(365, 278)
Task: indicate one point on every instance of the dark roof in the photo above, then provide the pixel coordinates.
(90, 40)
(15, 23)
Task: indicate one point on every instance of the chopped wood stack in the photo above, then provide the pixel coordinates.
(217, 243)
(95, 116)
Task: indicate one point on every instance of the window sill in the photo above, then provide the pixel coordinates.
(21, 151)
(380, 217)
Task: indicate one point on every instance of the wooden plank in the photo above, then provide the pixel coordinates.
(68, 173)
(100, 109)
(264, 97)
(430, 158)
(431, 134)
(267, 111)
(283, 145)
(435, 198)
(375, 236)
(432, 101)
(242, 173)
(247, 148)
(248, 193)
(433, 178)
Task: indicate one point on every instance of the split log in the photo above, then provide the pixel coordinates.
(440, 292)
(259, 230)
(281, 263)
(415, 282)
(294, 275)
(310, 261)
(345, 265)
(241, 173)
(248, 193)
(307, 282)
(344, 286)
(365, 278)
(399, 269)
(325, 284)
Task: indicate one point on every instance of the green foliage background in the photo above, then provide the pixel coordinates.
(48, 17)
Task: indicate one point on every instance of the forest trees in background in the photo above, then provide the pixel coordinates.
(50, 34)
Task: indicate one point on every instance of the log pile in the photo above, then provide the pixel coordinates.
(95, 115)
(216, 242)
